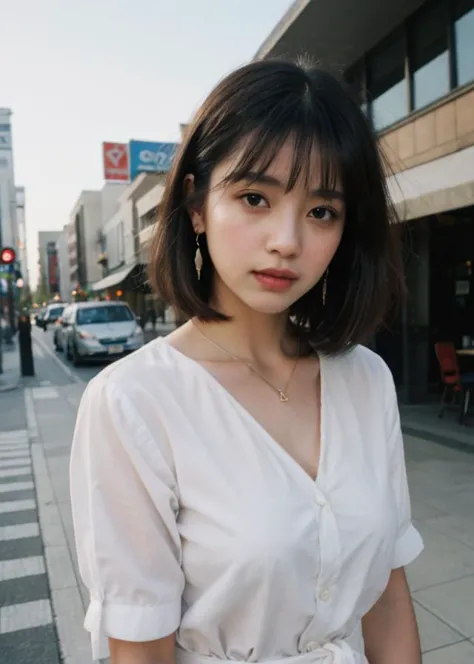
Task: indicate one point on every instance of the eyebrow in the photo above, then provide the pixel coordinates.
(263, 178)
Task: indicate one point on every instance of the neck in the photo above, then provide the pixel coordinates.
(250, 335)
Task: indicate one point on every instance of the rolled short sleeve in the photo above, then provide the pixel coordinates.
(125, 504)
(409, 543)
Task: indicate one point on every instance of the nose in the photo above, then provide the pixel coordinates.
(284, 236)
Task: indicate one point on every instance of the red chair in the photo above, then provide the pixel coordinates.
(453, 380)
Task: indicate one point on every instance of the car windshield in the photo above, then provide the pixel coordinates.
(57, 311)
(109, 314)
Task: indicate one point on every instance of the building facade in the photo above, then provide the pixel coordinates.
(62, 248)
(22, 238)
(48, 262)
(86, 243)
(8, 222)
(412, 71)
(126, 237)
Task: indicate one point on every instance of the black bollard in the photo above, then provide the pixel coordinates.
(24, 343)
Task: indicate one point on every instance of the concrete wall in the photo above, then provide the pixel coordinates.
(92, 225)
(114, 241)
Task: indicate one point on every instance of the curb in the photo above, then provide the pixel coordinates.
(9, 387)
(68, 609)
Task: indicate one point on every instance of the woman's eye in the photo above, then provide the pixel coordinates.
(323, 214)
(254, 200)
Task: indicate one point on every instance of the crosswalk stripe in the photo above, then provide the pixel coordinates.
(15, 472)
(25, 616)
(16, 434)
(8, 533)
(16, 486)
(14, 444)
(15, 463)
(17, 506)
(20, 567)
(14, 454)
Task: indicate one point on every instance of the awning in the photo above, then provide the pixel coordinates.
(440, 185)
(113, 279)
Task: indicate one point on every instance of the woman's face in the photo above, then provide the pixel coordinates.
(269, 246)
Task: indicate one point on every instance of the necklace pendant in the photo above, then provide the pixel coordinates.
(283, 397)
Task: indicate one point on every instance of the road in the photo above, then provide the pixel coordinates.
(53, 366)
(42, 600)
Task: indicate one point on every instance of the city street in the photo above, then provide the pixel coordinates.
(53, 366)
(42, 599)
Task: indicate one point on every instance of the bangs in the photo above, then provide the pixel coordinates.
(316, 153)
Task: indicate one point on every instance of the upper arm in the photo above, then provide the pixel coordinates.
(124, 500)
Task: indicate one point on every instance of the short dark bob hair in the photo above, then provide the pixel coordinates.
(260, 106)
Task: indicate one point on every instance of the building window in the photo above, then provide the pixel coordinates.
(464, 40)
(386, 82)
(429, 54)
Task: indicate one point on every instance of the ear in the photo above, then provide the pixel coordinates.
(195, 212)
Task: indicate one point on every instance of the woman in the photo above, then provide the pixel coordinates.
(239, 488)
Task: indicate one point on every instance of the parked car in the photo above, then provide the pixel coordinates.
(50, 316)
(39, 317)
(60, 330)
(99, 330)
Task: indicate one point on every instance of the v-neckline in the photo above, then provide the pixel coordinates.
(253, 420)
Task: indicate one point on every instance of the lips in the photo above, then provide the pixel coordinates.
(275, 280)
(278, 274)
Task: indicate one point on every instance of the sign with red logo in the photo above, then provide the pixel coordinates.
(116, 163)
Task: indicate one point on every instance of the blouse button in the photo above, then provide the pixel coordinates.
(324, 595)
(320, 501)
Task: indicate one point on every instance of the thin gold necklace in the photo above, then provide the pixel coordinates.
(283, 393)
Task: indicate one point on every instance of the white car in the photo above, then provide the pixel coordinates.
(100, 330)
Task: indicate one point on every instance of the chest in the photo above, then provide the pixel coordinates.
(295, 424)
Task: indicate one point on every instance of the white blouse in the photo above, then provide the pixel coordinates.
(190, 517)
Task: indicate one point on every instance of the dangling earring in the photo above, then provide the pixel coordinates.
(325, 287)
(198, 258)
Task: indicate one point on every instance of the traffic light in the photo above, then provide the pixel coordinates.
(7, 256)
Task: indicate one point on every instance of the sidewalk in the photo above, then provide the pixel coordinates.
(422, 420)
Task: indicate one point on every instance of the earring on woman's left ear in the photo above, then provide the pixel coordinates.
(325, 287)
(198, 258)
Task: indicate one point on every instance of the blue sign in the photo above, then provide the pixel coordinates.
(147, 157)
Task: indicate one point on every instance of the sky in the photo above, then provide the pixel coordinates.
(76, 74)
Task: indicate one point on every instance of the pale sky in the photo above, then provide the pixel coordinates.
(77, 73)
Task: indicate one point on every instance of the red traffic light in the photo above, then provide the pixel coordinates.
(7, 256)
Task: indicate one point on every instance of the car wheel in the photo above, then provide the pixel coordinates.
(76, 359)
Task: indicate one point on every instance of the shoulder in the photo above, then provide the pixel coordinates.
(360, 367)
(361, 380)
(143, 380)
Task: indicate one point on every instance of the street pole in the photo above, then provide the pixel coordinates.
(10, 300)
(1, 342)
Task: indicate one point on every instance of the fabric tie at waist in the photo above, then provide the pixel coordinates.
(333, 652)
